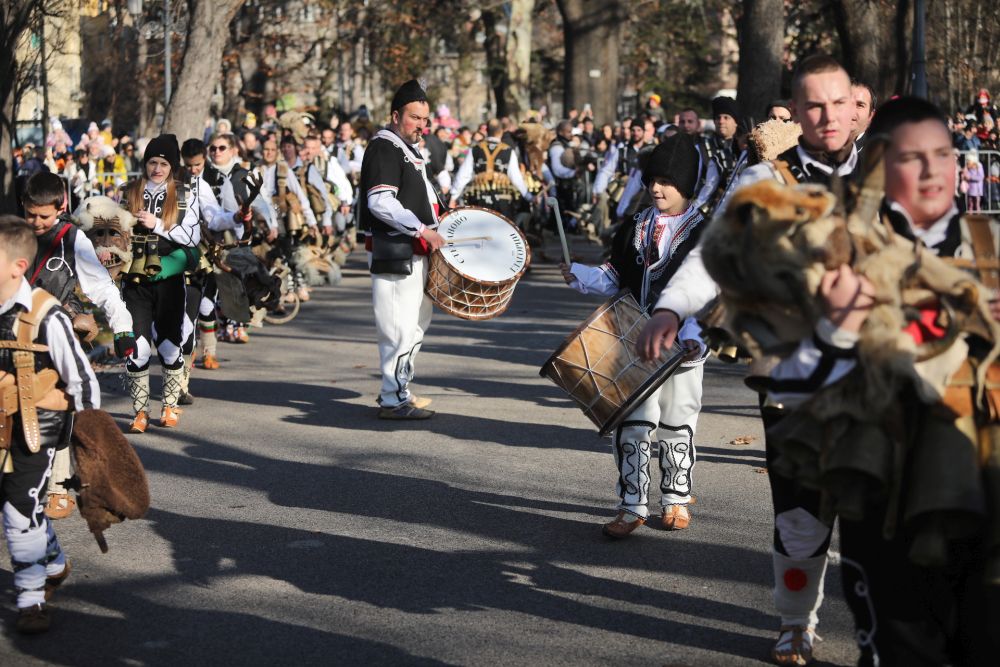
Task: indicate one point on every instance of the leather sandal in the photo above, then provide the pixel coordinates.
(676, 517)
(140, 422)
(622, 525)
(59, 506)
(794, 645)
(169, 416)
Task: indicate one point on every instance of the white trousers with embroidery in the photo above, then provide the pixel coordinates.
(668, 417)
(402, 315)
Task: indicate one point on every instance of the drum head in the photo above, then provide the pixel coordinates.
(487, 247)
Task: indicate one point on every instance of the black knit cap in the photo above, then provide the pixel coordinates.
(725, 105)
(163, 146)
(676, 159)
(408, 92)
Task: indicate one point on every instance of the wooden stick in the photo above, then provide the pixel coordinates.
(470, 238)
(554, 203)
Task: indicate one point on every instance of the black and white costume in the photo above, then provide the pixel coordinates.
(658, 260)
(485, 161)
(398, 203)
(159, 307)
(35, 552)
(801, 540)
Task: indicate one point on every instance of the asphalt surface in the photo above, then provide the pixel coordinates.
(290, 526)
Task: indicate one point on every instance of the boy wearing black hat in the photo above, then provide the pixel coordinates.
(657, 259)
(398, 211)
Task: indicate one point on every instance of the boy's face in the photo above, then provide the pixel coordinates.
(666, 197)
(824, 106)
(11, 270)
(195, 164)
(920, 166)
(41, 218)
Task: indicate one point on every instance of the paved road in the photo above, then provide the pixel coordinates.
(289, 526)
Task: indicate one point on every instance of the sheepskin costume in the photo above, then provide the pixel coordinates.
(856, 438)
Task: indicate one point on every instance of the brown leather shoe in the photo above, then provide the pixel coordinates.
(676, 517)
(52, 583)
(169, 416)
(140, 422)
(59, 506)
(209, 362)
(622, 526)
(33, 620)
(420, 401)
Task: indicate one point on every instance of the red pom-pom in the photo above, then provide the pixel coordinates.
(795, 579)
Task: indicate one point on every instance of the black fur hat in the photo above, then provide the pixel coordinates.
(163, 146)
(676, 159)
(725, 105)
(411, 91)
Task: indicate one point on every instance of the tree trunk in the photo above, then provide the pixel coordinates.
(870, 41)
(201, 67)
(592, 33)
(495, 62)
(519, 57)
(15, 18)
(761, 37)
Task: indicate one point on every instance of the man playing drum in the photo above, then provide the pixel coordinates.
(399, 213)
(657, 259)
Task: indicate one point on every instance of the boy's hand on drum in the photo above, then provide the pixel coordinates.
(567, 274)
(658, 335)
(434, 240)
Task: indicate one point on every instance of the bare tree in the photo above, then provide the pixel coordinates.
(19, 19)
(592, 31)
(761, 36)
(874, 42)
(519, 56)
(201, 67)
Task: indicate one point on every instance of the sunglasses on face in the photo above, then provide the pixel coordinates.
(214, 149)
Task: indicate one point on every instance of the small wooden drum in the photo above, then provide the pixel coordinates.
(599, 368)
(473, 276)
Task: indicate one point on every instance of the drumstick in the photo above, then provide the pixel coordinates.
(470, 238)
(554, 203)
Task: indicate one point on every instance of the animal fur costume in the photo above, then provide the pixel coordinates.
(855, 439)
(113, 484)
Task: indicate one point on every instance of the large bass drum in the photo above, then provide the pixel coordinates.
(597, 365)
(473, 276)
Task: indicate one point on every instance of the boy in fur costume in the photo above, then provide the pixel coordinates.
(658, 261)
(37, 349)
(886, 408)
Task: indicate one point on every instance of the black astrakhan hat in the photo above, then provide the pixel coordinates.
(676, 159)
(725, 105)
(408, 92)
(163, 146)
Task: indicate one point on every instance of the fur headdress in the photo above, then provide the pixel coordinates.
(103, 211)
(297, 124)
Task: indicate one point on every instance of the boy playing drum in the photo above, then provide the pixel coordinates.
(658, 261)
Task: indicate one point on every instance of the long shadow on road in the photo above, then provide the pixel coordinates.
(539, 577)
